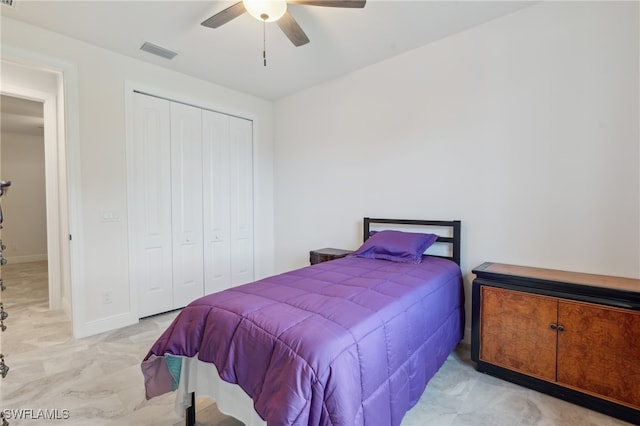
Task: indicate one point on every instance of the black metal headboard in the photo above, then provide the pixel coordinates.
(454, 239)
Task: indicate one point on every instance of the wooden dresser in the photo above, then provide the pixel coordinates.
(571, 335)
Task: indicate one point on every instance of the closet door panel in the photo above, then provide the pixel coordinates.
(151, 242)
(241, 200)
(192, 214)
(186, 196)
(217, 244)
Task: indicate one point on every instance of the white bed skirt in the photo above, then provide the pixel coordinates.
(203, 379)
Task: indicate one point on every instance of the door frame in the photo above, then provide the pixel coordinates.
(63, 190)
(52, 184)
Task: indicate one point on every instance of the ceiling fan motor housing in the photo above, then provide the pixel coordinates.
(266, 10)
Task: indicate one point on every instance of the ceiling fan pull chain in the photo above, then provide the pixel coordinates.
(264, 41)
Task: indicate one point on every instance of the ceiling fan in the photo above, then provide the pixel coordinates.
(276, 11)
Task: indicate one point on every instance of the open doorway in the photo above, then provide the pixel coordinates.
(22, 161)
(28, 86)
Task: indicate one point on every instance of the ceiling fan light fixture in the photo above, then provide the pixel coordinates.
(266, 10)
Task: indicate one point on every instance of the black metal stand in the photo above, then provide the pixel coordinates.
(4, 369)
(4, 186)
(190, 412)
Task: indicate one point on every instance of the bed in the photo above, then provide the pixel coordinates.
(352, 341)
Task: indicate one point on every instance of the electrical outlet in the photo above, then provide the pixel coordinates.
(107, 297)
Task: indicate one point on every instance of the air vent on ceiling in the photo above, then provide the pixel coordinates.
(154, 49)
(10, 3)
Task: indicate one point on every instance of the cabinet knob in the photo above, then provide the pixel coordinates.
(553, 326)
(560, 328)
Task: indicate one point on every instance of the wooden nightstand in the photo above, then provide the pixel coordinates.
(325, 254)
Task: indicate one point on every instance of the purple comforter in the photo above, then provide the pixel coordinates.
(348, 342)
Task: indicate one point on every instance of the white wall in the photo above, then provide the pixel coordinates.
(98, 166)
(23, 206)
(525, 128)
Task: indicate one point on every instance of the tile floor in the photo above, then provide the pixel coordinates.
(98, 379)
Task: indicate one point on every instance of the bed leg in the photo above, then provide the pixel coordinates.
(190, 414)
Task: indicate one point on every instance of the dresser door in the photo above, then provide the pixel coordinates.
(516, 331)
(599, 351)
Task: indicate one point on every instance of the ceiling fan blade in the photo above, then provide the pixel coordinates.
(225, 16)
(292, 30)
(332, 3)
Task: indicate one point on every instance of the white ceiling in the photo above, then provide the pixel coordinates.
(342, 40)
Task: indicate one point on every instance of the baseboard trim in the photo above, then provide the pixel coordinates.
(66, 307)
(105, 324)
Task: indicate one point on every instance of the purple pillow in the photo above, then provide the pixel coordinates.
(397, 246)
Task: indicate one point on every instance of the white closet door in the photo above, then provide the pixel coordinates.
(241, 200)
(215, 160)
(151, 212)
(186, 201)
